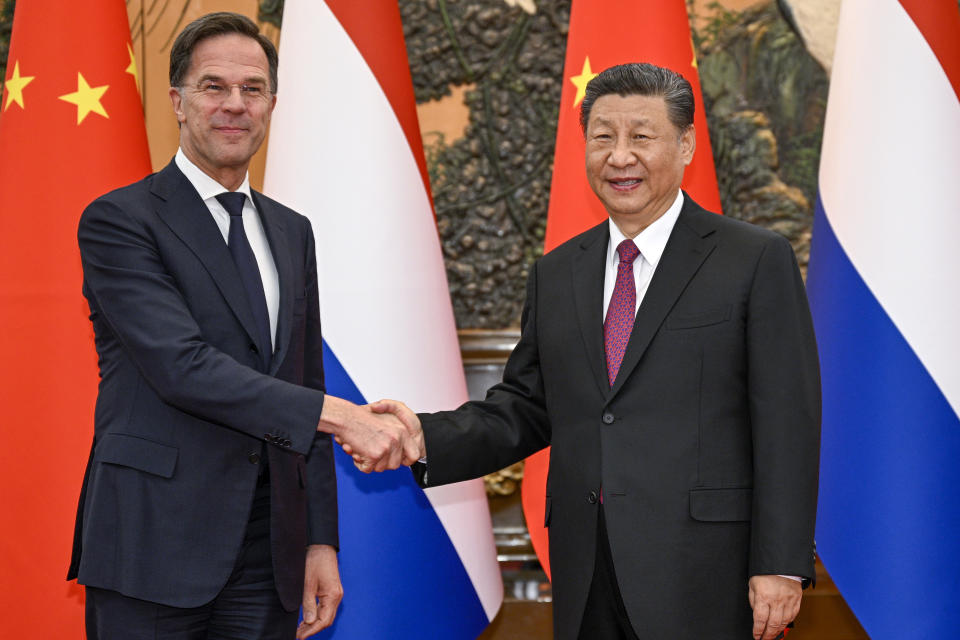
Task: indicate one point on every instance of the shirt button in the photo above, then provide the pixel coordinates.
(253, 458)
(608, 418)
(592, 498)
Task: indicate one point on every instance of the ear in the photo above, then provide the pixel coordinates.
(688, 144)
(176, 98)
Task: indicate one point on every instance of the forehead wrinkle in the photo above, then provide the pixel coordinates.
(638, 121)
(253, 77)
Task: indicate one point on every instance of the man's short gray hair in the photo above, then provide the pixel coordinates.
(642, 79)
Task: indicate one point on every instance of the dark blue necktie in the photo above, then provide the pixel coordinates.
(249, 271)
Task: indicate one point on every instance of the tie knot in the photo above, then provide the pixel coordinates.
(628, 251)
(233, 202)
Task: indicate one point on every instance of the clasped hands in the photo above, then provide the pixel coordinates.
(380, 436)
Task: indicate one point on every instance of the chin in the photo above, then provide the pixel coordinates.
(626, 207)
(234, 157)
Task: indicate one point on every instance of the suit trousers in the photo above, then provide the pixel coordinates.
(605, 617)
(247, 608)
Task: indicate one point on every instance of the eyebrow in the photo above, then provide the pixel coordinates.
(633, 123)
(216, 78)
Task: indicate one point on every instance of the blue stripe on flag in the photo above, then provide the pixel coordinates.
(888, 521)
(402, 577)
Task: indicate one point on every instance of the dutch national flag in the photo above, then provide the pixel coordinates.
(884, 286)
(345, 151)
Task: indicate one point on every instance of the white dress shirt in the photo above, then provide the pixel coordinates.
(209, 189)
(651, 242)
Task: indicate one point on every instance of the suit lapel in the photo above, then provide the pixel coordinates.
(588, 274)
(277, 238)
(188, 217)
(689, 245)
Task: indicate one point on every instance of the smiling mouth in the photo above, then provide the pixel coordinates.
(624, 184)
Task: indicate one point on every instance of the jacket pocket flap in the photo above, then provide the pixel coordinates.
(720, 505)
(703, 319)
(131, 451)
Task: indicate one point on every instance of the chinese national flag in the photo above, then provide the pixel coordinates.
(604, 34)
(71, 128)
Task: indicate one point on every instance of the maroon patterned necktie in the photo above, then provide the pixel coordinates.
(621, 311)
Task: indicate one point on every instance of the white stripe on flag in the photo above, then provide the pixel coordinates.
(338, 155)
(888, 178)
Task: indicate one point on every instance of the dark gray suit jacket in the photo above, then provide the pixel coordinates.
(183, 412)
(706, 446)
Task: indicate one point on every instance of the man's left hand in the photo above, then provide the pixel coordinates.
(321, 584)
(776, 602)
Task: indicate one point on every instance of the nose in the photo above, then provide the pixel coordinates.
(234, 100)
(621, 155)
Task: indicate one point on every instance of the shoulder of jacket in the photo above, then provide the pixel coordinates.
(730, 229)
(282, 210)
(572, 247)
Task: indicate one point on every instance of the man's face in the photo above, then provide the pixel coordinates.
(222, 117)
(635, 157)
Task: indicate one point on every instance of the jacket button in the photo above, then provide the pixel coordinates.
(287, 443)
(254, 458)
(592, 498)
(608, 418)
(253, 348)
(268, 437)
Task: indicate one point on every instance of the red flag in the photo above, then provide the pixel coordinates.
(604, 34)
(71, 128)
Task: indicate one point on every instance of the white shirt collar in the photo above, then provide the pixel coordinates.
(651, 241)
(206, 186)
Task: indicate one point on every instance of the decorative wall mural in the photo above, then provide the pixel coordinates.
(490, 187)
(503, 59)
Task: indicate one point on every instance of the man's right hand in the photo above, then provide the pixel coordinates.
(417, 446)
(377, 442)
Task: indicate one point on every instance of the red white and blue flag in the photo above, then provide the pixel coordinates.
(345, 151)
(883, 287)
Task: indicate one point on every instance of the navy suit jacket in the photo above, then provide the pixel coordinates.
(184, 409)
(706, 446)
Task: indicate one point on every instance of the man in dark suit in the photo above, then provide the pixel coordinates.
(668, 357)
(208, 508)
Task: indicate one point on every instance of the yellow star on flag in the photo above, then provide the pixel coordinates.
(86, 98)
(15, 85)
(132, 69)
(586, 75)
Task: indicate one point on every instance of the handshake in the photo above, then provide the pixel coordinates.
(380, 436)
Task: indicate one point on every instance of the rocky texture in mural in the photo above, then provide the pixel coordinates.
(765, 100)
(491, 187)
